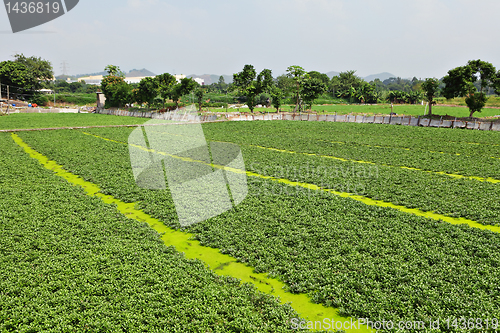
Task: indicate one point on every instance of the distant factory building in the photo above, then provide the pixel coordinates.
(200, 81)
(94, 79)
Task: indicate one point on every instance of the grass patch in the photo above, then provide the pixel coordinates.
(47, 120)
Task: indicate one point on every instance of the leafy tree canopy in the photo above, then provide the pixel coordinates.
(277, 97)
(183, 88)
(199, 92)
(147, 90)
(320, 76)
(343, 83)
(166, 82)
(25, 75)
(39, 68)
(460, 82)
(298, 75)
(312, 88)
(251, 85)
(115, 89)
(114, 71)
(430, 88)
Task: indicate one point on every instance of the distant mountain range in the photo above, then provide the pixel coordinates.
(139, 73)
(382, 76)
(332, 74)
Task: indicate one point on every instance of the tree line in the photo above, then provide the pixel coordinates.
(474, 81)
(24, 76)
(164, 86)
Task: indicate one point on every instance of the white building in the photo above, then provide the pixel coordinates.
(200, 81)
(46, 91)
(94, 79)
(136, 79)
(179, 77)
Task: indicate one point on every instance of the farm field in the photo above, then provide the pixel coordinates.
(41, 120)
(70, 263)
(382, 222)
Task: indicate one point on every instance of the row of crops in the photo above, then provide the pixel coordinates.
(368, 261)
(71, 263)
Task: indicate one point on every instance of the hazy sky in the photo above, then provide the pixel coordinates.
(408, 38)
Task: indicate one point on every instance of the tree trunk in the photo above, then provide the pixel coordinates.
(430, 108)
(471, 113)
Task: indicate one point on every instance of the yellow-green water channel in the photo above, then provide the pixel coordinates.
(220, 263)
(453, 175)
(365, 200)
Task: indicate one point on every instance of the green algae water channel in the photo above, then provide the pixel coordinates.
(457, 176)
(220, 263)
(365, 200)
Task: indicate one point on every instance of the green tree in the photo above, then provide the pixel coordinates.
(312, 88)
(166, 83)
(76, 87)
(430, 88)
(147, 90)
(343, 83)
(40, 70)
(413, 96)
(460, 82)
(24, 75)
(320, 76)
(397, 96)
(250, 86)
(92, 88)
(183, 88)
(199, 92)
(222, 85)
(380, 87)
(115, 89)
(114, 71)
(16, 76)
(366, 93)
(277, 97)
(298, 75)
(285, 83)
(62, 86)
